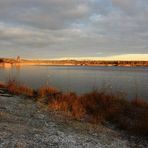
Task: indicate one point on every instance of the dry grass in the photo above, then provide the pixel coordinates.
(139, 102)
(69, 103)
(2, 85)
(133, 117)
(45, 91)
(95, 107)
(99, 107)
(14, 88)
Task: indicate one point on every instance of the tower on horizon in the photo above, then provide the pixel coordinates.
(18, 59)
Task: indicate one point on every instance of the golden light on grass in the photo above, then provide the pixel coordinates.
(95, 107)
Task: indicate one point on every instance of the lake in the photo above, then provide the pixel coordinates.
(128, 81)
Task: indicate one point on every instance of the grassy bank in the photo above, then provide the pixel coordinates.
(95, 107)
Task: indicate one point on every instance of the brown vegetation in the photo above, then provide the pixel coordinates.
(44, 91)
(94, 107)
(100, 107)
(14, 88)
(2, 85)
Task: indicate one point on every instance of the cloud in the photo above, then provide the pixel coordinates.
(131, 7)
(55, 28)
(42, 13)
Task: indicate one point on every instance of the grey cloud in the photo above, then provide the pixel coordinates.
(131, 7)
(28, 37)
(54, 28)
(44, 14)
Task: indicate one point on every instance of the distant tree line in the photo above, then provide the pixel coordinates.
(76, 62)
(1, 60)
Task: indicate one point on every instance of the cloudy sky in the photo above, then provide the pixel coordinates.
(73, 28)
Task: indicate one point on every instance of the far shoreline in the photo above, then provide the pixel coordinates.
(5, 62)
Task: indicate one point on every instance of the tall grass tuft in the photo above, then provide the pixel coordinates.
(14, 88)
(45, 91)
(2, 85)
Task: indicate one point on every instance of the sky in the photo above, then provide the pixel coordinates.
(44, 29)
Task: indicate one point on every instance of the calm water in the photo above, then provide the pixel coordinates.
(126, 80)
